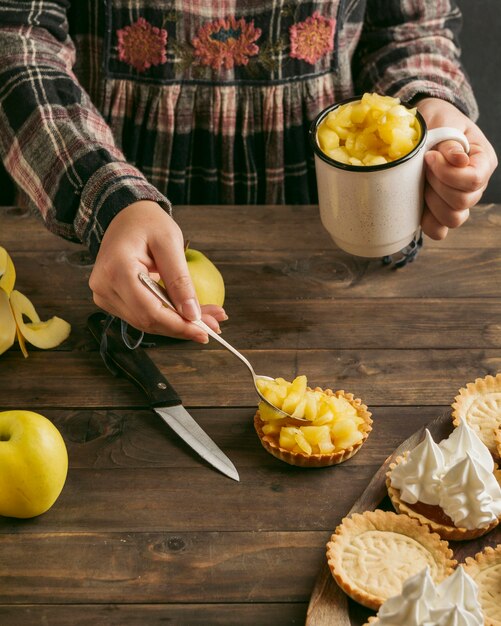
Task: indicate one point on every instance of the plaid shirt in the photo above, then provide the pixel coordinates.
(106, 103)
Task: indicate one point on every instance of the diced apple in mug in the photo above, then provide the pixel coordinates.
(373, 127)
(327, 138)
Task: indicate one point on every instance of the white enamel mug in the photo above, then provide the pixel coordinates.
(374, 211)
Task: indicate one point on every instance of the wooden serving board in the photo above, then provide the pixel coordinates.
(329, 605)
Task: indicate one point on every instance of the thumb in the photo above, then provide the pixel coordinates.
(454, 153)
(171, 263)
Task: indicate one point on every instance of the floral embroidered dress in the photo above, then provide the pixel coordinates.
(104, 103)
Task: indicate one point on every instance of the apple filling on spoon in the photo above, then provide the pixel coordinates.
(325, 427)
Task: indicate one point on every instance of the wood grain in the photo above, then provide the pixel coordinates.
(214, 378)
(129, 439)
(200, 614)
(165, 566)
(260, 228)
(298, 276)
(144, 531)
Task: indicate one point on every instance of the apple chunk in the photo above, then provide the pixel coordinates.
(7, 323)
(43, 335)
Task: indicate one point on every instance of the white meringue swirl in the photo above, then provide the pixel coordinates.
(453, 602)
(470, 494)
(457, 475)
(418, 477)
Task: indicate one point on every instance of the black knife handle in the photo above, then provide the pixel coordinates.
(135, 364)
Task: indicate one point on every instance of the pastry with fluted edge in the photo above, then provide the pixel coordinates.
(453, 602)
(337, 424)
(451, 486)
(479, 403)
(372, 554)
(485, 569)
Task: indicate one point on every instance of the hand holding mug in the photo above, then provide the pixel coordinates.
(455, 181)
(375, 209)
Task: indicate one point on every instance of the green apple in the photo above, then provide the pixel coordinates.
(207, 279)
(33, 464)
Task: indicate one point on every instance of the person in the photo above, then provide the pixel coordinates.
(112, 112)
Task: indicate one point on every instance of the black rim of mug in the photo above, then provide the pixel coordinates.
(361, 168)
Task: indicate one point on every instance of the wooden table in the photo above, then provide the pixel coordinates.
(145, 532)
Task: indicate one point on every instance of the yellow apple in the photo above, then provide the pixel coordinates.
(33, 464)
(206, 278)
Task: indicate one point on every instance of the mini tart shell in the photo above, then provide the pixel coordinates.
(489, 595)
(486, 420)
(347, 539)
(451, 533)
(301, 459)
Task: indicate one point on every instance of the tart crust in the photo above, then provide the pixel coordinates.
(479, 403)
(302, 459)
(446, 531)
(485, 569)
(370, 555)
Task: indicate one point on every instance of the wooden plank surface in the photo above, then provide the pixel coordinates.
(144, 531)
(215, 614)
(214, 378)
(257, 228)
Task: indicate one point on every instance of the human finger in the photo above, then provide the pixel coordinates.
(442, 211)
(130, 301)
(456, 199)
(453, 152)
(170, 261)
(432, 227)
(215, 311)
(470, 178)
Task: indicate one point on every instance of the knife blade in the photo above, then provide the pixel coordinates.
(137, 366)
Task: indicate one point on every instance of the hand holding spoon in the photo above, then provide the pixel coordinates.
(161, 294)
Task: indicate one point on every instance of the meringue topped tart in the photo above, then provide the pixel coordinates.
(451, 486)
(453, 602)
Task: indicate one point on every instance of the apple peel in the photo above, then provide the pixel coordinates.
(7, 272)
(7, 322)
(44, 335)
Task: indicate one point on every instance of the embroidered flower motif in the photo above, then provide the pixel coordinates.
(142, 45)
(313, 38)
(226, 43)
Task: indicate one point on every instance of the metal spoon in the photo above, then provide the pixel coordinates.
(161, 294)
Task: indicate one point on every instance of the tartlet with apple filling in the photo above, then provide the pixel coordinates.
(337, 424)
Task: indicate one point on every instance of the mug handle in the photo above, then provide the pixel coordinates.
(445, 133)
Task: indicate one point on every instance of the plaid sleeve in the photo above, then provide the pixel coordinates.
(53, 141)
(410, 48)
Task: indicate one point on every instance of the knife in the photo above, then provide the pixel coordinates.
(163, 399)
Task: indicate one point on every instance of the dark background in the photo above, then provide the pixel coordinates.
(480, 43)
